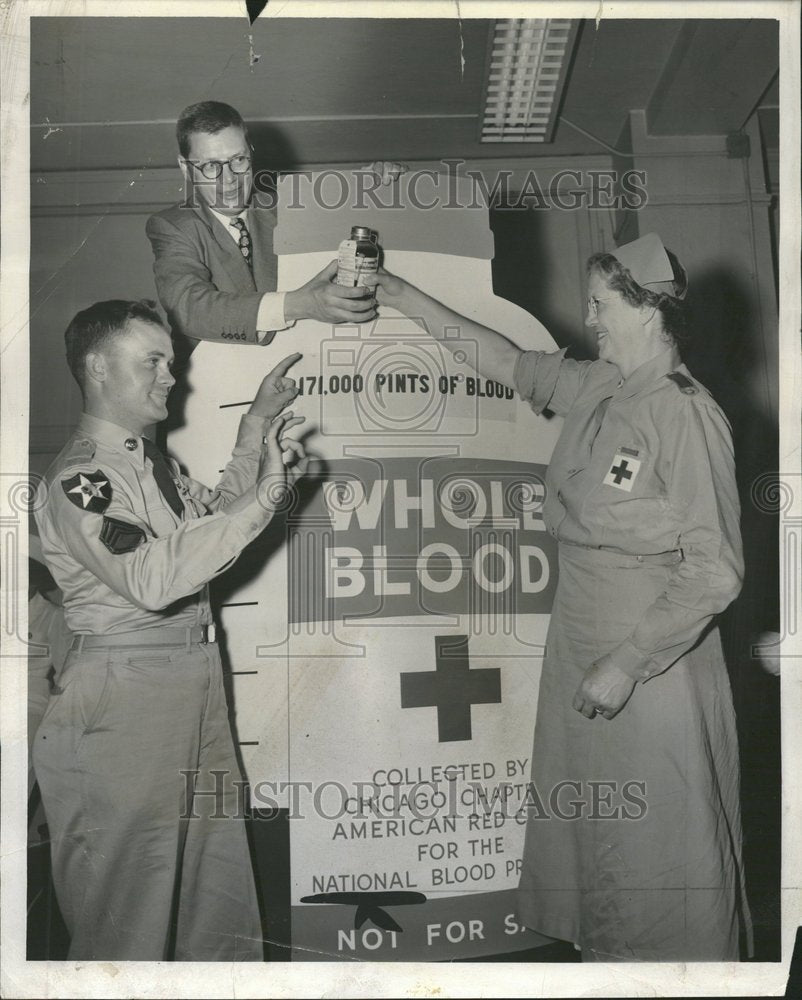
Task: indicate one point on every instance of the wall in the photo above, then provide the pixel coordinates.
(715, 211)
(87, 243)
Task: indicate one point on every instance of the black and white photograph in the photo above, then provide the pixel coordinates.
(401, 498)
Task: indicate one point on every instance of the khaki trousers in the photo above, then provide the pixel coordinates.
(147, 865)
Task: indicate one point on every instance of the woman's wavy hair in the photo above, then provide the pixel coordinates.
(671, 307)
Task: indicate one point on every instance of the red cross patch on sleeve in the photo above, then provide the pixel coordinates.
(623, 472)
(90, 491)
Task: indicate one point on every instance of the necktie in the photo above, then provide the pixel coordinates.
(599, 413)
(596, 420)
(163, 476)
(244, 240)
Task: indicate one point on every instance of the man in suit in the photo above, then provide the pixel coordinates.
(214, 263)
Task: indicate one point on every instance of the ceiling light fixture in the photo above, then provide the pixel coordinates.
(525, 78)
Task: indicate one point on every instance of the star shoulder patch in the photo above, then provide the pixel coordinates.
(624, 471)
(90, 491)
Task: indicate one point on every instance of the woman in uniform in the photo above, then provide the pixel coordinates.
(635, 720)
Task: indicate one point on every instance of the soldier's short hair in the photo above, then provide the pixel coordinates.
(209, 117)
(91, 328)
(670, 307)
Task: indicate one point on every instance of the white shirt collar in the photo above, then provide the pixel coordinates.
(225, 220)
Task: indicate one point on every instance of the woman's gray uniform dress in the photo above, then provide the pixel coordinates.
(645, 863)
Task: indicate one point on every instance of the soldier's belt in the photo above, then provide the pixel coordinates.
(670, 558)
(163, 636)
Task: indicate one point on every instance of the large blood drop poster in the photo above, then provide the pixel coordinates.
(385, 635)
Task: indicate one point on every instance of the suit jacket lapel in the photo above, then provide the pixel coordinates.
(233, 261)
(261, 223)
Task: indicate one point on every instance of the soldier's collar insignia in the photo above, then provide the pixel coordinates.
(90, 491)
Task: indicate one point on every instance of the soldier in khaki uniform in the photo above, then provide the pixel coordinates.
(635, 719)
(134, 756)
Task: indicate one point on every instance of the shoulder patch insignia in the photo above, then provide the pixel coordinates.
(683, 383)
(120, 537)
(624, 470)
(89, 491)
